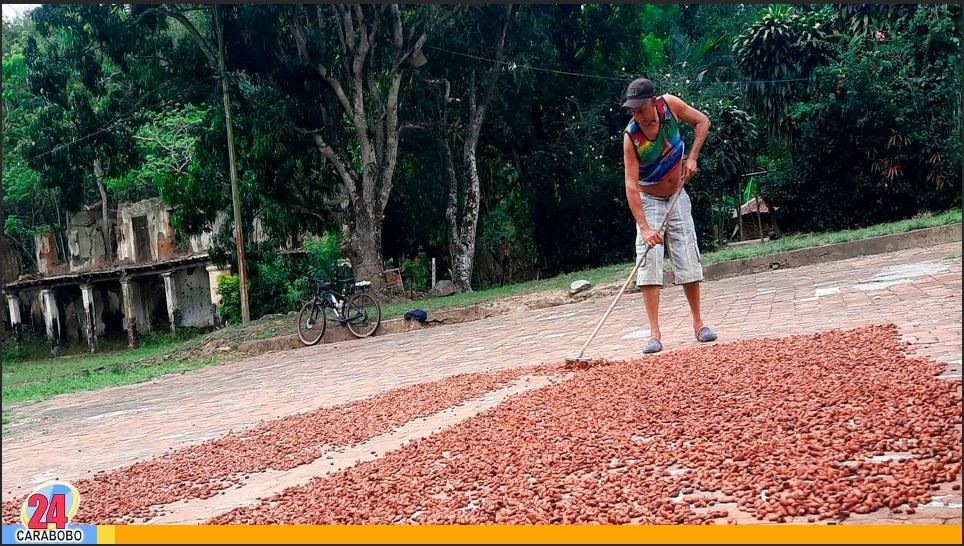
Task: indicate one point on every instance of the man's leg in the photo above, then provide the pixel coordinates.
(651, 301)
(684, 253)
(649, 278)
(692, 292)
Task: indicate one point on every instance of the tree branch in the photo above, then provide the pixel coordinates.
(319, 67)
(325, 214)
(478, 113)
(390, 149)
(448, 88)
(173, 11)
(428, 125)
(331, 155)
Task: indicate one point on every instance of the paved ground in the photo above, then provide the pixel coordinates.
(73, 436)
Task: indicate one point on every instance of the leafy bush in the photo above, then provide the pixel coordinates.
(416, 271)
(324, 254)
(268, 286)
(276, 282)
(322, 259)
(229, 288)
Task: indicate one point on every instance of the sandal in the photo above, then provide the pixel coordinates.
(654, 346)
(705, 334)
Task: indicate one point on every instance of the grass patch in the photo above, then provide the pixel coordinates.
(29, 377)
(43, 384)
(32, 374)
(813, 240)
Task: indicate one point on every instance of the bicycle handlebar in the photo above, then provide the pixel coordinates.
(349, 284)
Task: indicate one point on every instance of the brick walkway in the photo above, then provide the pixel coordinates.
(73, 436)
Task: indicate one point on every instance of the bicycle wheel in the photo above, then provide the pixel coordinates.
(311, 323)
(363, 314)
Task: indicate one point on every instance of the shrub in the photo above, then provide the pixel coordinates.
(229, 288)
(416, 271)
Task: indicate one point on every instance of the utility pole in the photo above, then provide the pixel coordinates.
(238, 232)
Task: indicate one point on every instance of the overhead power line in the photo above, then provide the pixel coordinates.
(513, 65)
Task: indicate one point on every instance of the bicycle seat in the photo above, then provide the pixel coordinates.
(351, 285)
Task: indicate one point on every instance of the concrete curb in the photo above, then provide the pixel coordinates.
(712, 272)
(840, 251)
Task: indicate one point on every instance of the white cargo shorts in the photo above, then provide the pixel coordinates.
(679, 242)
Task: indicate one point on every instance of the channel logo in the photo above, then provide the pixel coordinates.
(45, 517)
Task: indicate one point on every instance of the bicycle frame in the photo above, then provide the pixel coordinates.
(324, 290)
(351, 307)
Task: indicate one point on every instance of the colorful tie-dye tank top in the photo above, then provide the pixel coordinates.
(657, 157)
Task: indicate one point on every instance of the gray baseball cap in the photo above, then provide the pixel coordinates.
(638, 92)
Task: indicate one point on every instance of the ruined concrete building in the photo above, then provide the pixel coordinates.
(154, 282)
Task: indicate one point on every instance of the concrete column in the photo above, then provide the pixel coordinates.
(213, 273)
(48, 303)
(87, 291)
(13, 304)
(130, 320)
(170, 290)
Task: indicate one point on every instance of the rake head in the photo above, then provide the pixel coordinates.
(577, 358)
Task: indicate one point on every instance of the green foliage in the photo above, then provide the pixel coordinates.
(729, 154)
(28, 207)
(700, 21)
(14, 36)
(324, 254)
(271, 283)
(229, 289)
(865, 19)
(275, 281)
(167, 142)
(776, 52)
(9, 354)
(867, 151)
(416, 272)
(84, 89)
(654, 53)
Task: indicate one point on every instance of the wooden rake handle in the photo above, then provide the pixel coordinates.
(662, 225)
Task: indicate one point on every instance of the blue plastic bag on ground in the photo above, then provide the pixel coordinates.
(416, 314)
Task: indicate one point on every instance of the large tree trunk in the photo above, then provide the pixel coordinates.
(373, 110)
(462, 227)
(462, 212)
(362, 245)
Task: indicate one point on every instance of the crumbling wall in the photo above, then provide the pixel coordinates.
(194, 298)
(160, 233)
(9, 271)
(9, 261)
(46, 247)
(202, 243)
(85, 241)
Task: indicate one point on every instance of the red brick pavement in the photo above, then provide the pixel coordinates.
(919, 290)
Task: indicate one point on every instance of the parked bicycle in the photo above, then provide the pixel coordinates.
(352, 306)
